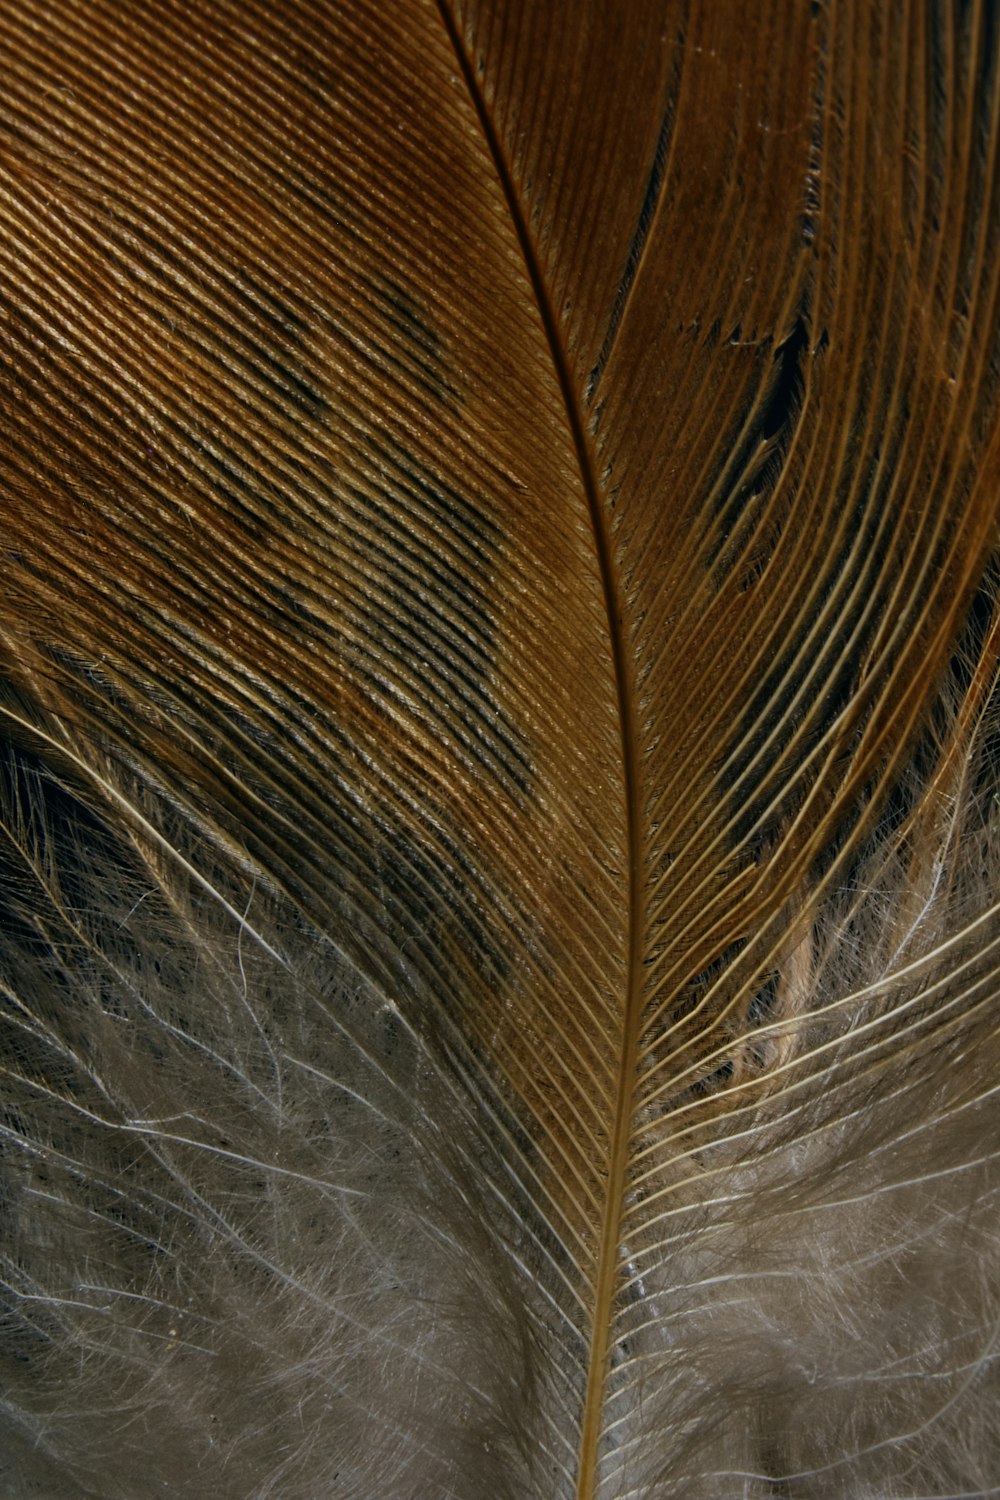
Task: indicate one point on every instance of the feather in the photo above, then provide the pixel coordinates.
(499, 803)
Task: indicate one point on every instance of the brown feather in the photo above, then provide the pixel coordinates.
(499, 511)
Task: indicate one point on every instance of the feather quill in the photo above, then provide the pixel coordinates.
(499, 806)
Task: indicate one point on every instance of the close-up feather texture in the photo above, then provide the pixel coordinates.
(500, 734)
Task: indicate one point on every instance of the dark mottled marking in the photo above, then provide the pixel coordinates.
(276, 341)
(755, 450)
(434, 615)
(235, 488)
(429, 619)
(785, 397)
(767, 720)
(56, 821)
(422, 344)
(644, 224)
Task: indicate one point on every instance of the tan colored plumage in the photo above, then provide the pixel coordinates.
(498, 515)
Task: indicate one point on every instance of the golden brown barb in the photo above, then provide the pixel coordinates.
(499, 795)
